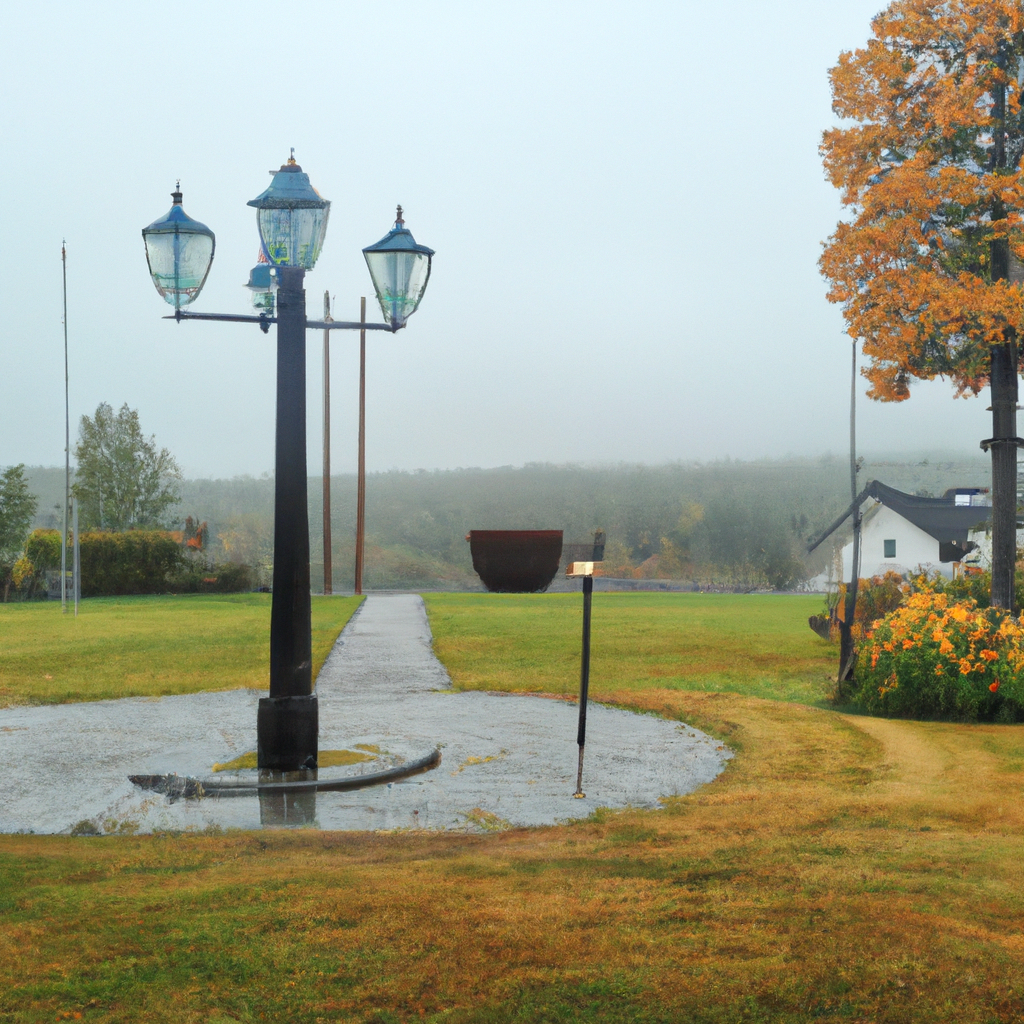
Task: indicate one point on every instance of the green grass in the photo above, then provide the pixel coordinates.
(755, 644)
(147, 646)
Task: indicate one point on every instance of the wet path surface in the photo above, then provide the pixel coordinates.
(506, 759)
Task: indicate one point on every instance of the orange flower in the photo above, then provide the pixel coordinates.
(990, 655)
(993, 686)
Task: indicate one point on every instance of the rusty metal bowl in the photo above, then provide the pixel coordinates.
(516, 561)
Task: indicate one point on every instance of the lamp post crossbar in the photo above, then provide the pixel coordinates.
(311, 325)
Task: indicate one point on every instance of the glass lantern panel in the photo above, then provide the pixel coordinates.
(293, 238)
(179, 262)
(399, 279)
(263, 302)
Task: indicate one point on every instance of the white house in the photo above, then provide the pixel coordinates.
(906, 532)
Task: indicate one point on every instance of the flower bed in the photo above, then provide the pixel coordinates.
(939, 658)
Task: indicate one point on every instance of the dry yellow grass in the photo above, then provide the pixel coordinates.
(840, 868)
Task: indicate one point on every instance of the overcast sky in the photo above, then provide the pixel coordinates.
(626, 201)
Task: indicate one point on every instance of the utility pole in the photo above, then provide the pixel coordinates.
(361, 472)
(328, 568)
(846, 651)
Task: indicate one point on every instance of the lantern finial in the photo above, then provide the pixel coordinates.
(176, 194)
(399, 222)
(291, 159)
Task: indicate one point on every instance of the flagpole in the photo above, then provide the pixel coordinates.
(67, 445)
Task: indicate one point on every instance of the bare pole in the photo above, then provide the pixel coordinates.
(77, 581)
(846, 650)
(581, 731)
(67, 445)
(328, 567)
(361, 484)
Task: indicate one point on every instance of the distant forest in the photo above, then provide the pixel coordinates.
(718, 525)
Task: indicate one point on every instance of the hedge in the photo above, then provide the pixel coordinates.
(137, 562)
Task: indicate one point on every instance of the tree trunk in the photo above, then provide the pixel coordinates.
(1003, 383)
(1004, 472)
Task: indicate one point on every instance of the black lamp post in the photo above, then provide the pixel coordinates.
(292, 220)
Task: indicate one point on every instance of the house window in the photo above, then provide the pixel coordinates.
(890, 548)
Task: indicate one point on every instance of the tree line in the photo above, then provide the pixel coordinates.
(720, 525)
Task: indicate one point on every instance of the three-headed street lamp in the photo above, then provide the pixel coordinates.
(292, 219)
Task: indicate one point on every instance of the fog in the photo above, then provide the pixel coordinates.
(626, 202)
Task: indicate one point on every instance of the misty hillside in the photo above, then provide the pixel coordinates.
(722, 524)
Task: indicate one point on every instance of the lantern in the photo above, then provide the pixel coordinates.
(262, 284)
(400, 269)
(179, 251)
(292, 218)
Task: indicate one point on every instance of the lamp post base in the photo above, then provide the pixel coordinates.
(286, 733)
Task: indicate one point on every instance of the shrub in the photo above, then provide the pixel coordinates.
(136, 562)
(976, 585)
(197, 576)
(876, 597)
(42, 549)
(950, 660)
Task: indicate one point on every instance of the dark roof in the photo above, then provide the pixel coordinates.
(941, 518)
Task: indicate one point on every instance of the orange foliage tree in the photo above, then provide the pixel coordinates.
(928, 164)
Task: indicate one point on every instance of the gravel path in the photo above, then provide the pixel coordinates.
(506, 760)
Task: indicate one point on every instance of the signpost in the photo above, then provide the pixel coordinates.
(586, 570)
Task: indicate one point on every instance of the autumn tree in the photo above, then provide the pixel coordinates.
(928, 163)
(122, 481)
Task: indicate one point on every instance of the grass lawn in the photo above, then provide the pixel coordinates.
(841, 868)
(754, 644)
(147, 646)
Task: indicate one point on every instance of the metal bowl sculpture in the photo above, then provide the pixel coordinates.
(515, 561)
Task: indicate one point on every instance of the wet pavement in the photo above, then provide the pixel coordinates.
(507, 760)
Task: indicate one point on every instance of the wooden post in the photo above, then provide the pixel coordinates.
(361, 481)
(846, 647)
(328, 567)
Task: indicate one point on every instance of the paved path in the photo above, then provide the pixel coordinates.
(506, 759)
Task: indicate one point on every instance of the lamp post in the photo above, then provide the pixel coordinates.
(292, 220)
